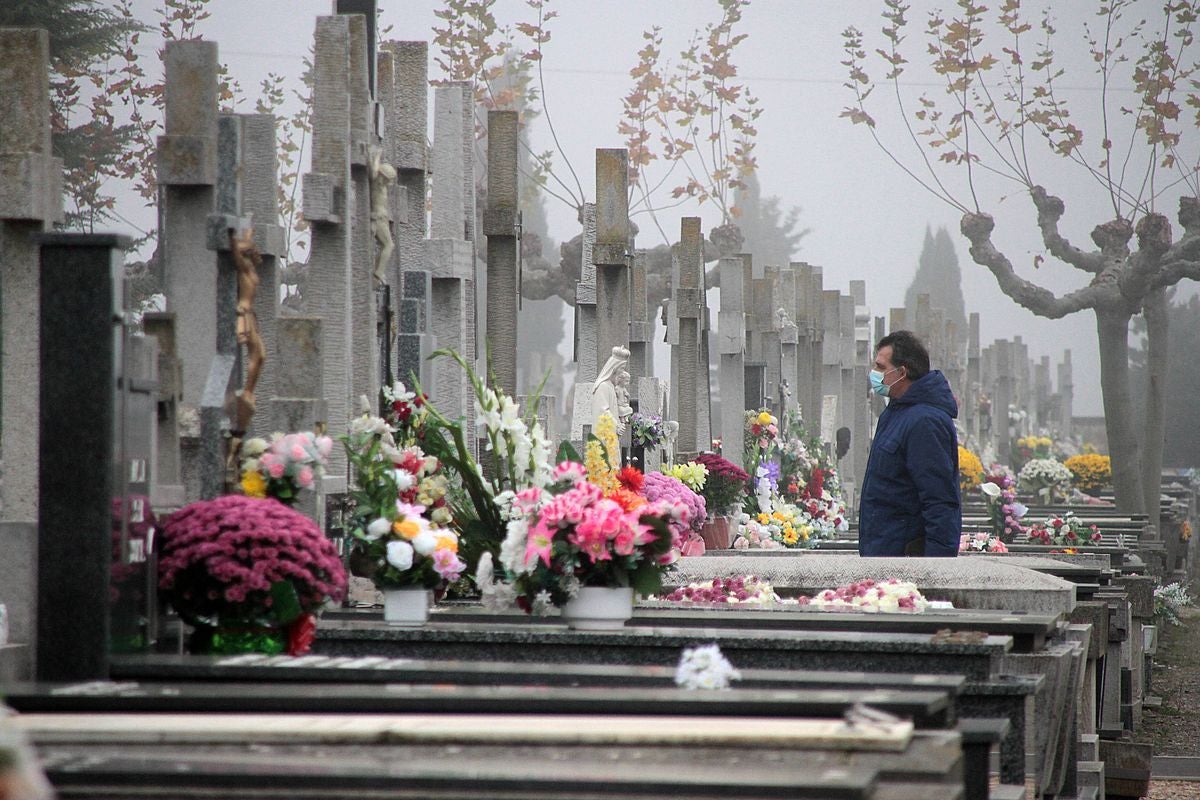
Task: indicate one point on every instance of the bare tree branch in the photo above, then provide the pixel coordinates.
(1041, 301)
(1050, 210)
(1173, 272)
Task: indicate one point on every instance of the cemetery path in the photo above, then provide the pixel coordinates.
(1174, 727)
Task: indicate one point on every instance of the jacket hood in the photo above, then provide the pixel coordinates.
(934, 390)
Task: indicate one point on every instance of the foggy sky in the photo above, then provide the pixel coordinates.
(868, 219)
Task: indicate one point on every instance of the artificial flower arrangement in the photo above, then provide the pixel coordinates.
(693, 474)
(659, 487)
(970, 470)
(738, 589)
(725, 484)
(808, 478)
(1005, 511)
(784, 526)
(1169, 602)
(1034, 447)
(1090, 472)
(243, 571)
(567, 535)
(705, 667)
(397, 517)
(981, 542)
(1044, 475)
(285, 466)
(870, 596)
(1065, 531)
(647, 430)
(761, 431)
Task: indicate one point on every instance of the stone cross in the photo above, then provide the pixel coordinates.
(772, 348)
(260, 202)
(449, 255)
(186, 160)
(586, 324)
(215, 452)
(405, 140)
(611, 254)
(789, 337)
(731, 352)
(364, 331)
(299, 403)
(971, 396)
(30, 201)
(1041, 392)
(1004, 395)
(330, 207)
(641, 325)
(686, 354)
(500, 223)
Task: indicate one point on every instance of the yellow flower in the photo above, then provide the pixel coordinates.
(408, 528)
(598, 470)
(970, 469)
(1090, 471)
(790, 536)
(765, 418)
(764, 519)
(448, 542)
(253, 484)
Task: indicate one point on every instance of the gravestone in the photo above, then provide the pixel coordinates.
(81, 300)
(641, 325)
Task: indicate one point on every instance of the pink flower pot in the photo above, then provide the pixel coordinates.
(717, 533)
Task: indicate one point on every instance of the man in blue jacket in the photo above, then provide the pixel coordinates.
(910, 502)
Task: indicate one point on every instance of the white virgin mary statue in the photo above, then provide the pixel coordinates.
(605, 394)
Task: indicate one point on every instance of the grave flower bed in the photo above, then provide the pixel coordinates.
(870, 596)
(1065, 531)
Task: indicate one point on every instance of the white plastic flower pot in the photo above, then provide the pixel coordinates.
(407, 608)
(599, 608)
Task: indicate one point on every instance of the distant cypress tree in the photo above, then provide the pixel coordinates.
(769, 234)
(939, 276)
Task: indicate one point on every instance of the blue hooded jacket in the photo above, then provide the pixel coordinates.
(910, 488)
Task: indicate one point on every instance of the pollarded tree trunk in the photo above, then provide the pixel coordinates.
(1112, 326)
(1156, 308)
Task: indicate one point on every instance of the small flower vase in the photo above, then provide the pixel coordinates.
(717, 533)
(406, 608)
(599, 608)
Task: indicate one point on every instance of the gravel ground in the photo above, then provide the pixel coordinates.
(1174, 727)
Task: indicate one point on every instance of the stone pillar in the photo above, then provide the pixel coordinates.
(850, 393)
(772, 351)
(449, 255)
(831, 359)
(30, 201)
(1066, 390)
(1041, 392)
(804, 347)
(1003, 398)
(187, 175)
(974, 390)
(685, 356)
(816, 315)
(500, 226)
(329, 207)
(168, 489)
(731, 350)
(260, 202)
(611, 253)
(864, 359)
(81, 300)
(299, 404)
